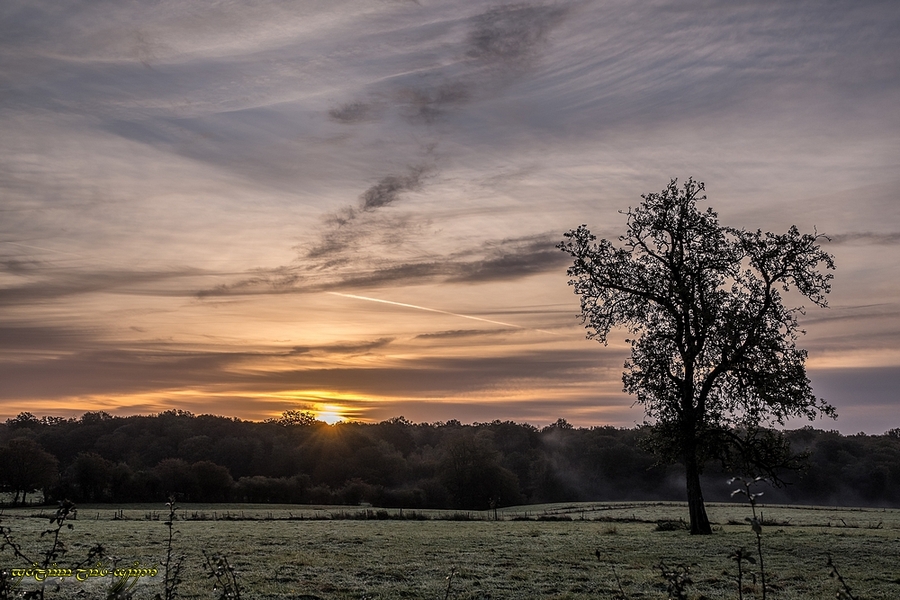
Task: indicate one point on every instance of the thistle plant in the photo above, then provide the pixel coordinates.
(755, 522)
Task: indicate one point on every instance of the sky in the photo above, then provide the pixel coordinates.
(351, 207)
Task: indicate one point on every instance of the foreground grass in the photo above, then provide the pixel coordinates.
(278, 555)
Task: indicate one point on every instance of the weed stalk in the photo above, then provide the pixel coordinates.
(621, 595)
(449, 583)
(845, 592)
(172, 566)
(226, 578)
(677, 577)
(739, 556)
(755, 522)
(55, 551)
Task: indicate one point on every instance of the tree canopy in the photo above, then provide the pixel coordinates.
(397, 463)
(713, 347)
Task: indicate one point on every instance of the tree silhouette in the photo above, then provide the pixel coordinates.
(25, 466)
(714, 346)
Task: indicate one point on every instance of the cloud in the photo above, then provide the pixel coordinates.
(345, 349)
(511, 34)
(163, 368)
(512, 258)
(866, 398)
(114, 370)
(20, 339)
(342, 269)
(437, 376)
(351, 227)
(353, 112)
(265, 281)
(508, 36)
(46, 362)
(464, 333)
(865, 237)
(50, 284)
(427, 105)
(389, 188)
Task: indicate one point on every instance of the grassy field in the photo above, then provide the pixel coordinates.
(570, 551)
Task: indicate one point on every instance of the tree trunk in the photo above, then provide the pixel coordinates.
(696, 507)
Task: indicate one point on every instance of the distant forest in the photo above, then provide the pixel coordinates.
(396, 463)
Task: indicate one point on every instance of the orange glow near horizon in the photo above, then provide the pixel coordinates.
(330, 414)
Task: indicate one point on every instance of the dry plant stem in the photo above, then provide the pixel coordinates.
(622, 595)
(677, 579)
(173, 564)
(739, 556)
(757, 529)
(844, 593)
(755, 523)
(449, 582)
(65, 512)
(226, 578)
(8, 541)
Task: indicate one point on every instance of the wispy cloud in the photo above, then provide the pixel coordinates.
(464, 333)
(865, 237)
(340, 266)
(511, 34)
(343, 349)
(353, 112)
(49, 284)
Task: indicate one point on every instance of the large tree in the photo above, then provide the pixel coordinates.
(714, 345)
(25, 466)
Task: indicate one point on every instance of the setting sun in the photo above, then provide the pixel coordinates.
(330, 414)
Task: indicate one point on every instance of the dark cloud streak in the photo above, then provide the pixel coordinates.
(465, 333)
(865, 237)
(511, 34)
(353, 112)
(54, 283)
(500, 260)
(389, 188)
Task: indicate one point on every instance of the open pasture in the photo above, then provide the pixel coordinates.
(562, 551)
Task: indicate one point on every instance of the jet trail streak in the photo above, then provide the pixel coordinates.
(435, 310)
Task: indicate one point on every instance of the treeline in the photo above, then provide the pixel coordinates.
(396, 463)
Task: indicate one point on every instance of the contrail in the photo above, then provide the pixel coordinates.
(435, 310)
(41, 248)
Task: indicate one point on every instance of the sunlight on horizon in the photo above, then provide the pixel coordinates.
(330, 414)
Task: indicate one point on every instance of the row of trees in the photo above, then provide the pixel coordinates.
(396, 463)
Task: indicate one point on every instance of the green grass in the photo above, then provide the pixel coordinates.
(280, 556)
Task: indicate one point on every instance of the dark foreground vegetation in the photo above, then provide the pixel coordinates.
(396, 463)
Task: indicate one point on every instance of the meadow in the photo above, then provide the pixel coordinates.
(554, 551)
